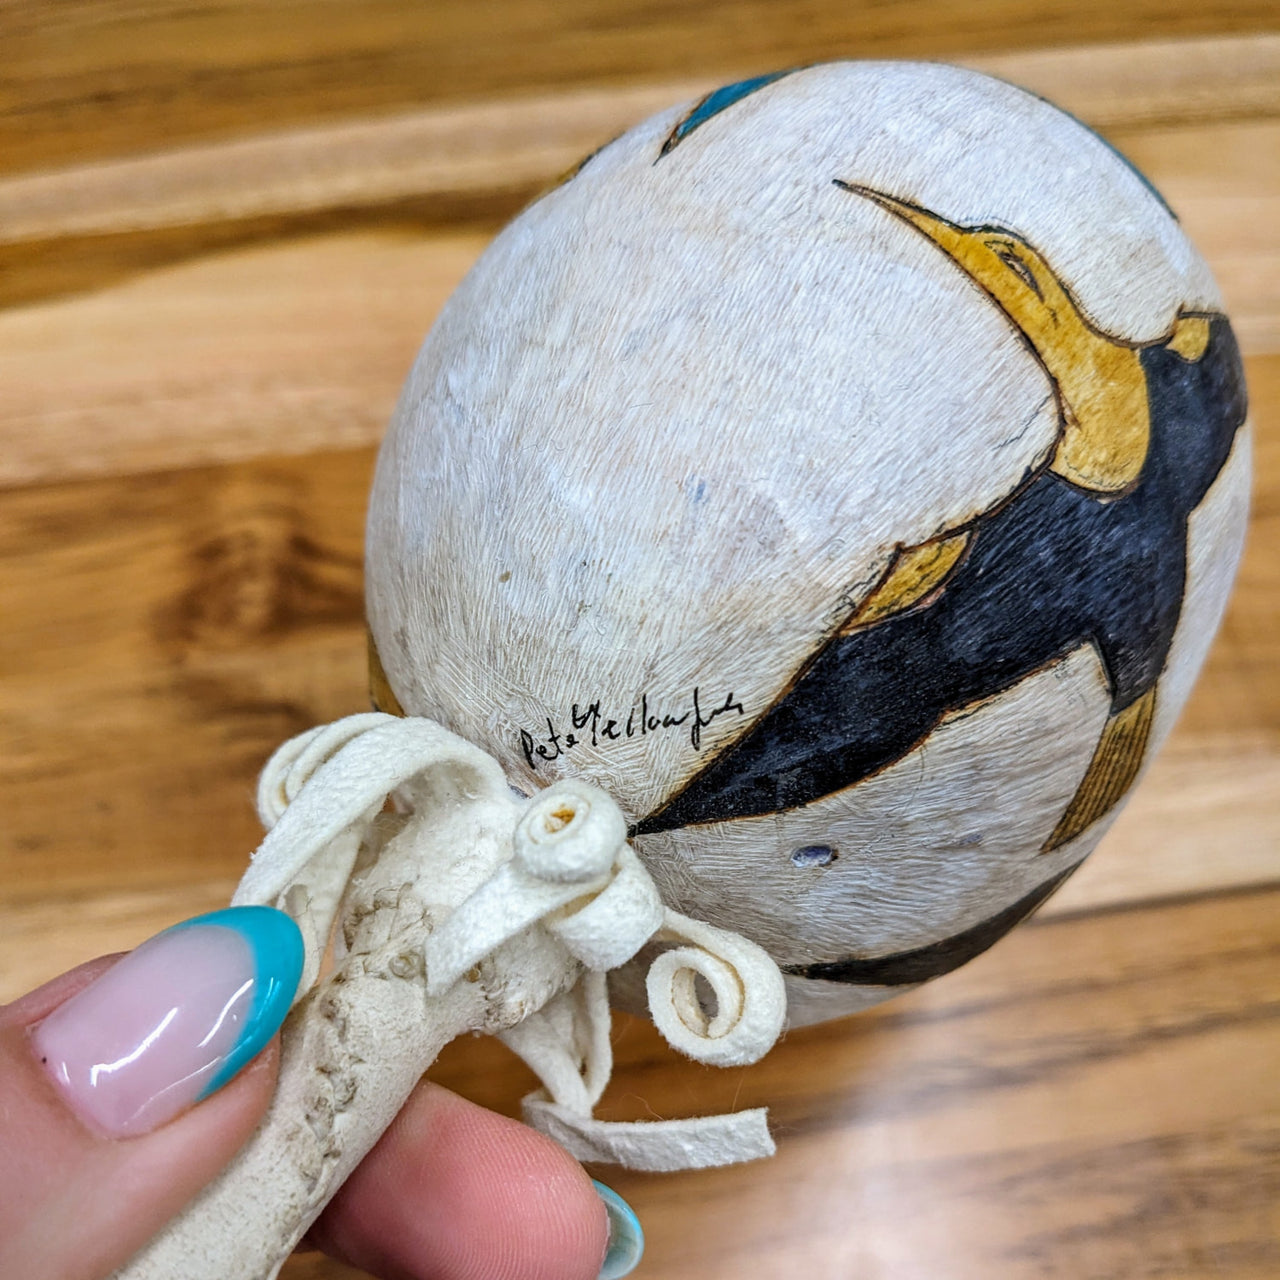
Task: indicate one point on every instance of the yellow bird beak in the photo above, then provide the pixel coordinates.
(1101, 388)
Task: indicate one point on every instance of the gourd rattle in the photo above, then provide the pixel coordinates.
(797, 533)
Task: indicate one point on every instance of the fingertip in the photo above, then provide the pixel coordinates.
(455, 1192)
(75, 1203)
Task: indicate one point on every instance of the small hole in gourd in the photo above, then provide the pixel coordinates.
(813, 855)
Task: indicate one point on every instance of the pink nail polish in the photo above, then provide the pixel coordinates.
(174, 1020)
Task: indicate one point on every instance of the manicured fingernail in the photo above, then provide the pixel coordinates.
(626, 1239)
(174, 1020)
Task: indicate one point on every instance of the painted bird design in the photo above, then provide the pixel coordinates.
(1090, 549)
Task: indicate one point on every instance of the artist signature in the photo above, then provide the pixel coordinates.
(590, 724)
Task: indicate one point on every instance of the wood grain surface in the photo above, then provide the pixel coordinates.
(223, 231)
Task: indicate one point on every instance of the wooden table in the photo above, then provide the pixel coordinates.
(224, 229)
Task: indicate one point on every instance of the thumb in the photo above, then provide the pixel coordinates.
(127, 1084)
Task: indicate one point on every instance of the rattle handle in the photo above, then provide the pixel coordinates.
(335, 1050)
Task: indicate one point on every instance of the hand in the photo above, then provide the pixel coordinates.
(128, 1083)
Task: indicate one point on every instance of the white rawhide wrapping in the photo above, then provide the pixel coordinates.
(467, 909)
(567, 1044)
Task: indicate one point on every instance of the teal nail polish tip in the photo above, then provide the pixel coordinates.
(276, 943)
(626, 1237)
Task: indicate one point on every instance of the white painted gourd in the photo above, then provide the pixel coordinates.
(846, 474)
(887, 411)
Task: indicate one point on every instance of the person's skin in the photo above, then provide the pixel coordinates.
(95, 1159)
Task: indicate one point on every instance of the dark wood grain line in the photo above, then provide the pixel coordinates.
(970, 1082)
(46, 269)
(1157, 901)
(85, 81)
(1222, 1178)
(86, 226)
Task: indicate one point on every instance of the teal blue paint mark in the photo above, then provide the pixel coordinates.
(626, 1237)
(276, 944)
(716, 102)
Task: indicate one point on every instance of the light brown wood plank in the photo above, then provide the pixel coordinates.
(88, 80)
(53, 933)
(163, 634)
(302, 344)
(490, 147)
(476, 148)
(287, 348)
(91, 225)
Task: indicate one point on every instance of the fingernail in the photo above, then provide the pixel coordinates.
(626, 1239)
(174, 1020)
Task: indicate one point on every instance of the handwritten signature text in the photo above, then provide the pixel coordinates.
(589, 724)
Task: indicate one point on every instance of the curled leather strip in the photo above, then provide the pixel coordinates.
(715, 996)
(750, 997)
